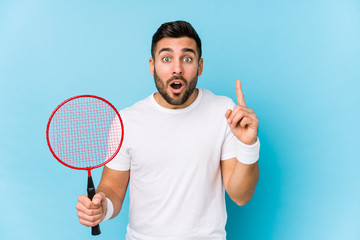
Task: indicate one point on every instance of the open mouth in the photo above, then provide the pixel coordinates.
(177, 86)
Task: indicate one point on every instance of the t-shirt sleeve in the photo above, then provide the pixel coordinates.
(229, 147)
(121, 161)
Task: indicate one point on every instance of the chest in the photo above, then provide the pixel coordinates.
(176, 142)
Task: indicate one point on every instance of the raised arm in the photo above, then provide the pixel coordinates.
(241, 175)
(113, 186)
(239, 180)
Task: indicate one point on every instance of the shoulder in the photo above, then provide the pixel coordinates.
(217, 100)
(138, 106)
(137, 109)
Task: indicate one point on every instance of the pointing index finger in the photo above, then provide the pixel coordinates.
(239, 94)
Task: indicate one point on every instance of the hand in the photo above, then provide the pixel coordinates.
(242, 120)
(91, 213)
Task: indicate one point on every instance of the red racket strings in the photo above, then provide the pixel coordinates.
(85, 132)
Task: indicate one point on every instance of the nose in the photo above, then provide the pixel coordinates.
(177, 68)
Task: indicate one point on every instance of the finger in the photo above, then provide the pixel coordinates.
(89, 221)
(232, 114)
(237, 118)
(85, 205)
(237, 109)
(244, 122)
(85, 201)
(227, 114)
(249, 122)
(88, 211)
(243, 108)
(238, 115)
(90, 215)
(239, 94)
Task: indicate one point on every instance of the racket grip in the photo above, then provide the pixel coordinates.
(95, 230)
(91, 193)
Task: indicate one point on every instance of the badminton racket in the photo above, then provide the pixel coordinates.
(83, 133)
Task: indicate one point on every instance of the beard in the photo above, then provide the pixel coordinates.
(179, 98)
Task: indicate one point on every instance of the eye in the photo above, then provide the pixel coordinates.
(166, 59)
(187, 59)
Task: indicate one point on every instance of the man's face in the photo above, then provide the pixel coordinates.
(175, 68)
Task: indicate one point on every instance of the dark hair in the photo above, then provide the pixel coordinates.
(175, 29)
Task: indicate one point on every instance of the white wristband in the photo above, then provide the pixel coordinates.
(109, 210)
(248, 154)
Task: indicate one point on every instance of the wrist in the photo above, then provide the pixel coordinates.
(109, 210)
(248, 154)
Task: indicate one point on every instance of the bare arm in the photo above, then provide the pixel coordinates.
(113, 185)
(239, 180)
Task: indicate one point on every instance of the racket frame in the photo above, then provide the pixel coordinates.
(92, 167)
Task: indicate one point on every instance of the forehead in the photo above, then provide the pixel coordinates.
(175, 44)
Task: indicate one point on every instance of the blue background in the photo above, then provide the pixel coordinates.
(299, 62)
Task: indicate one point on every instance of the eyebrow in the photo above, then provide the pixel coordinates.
(183, 50)
(189, 50)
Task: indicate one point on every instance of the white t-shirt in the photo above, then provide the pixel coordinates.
(176, 189)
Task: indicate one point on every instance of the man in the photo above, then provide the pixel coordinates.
(179, 151)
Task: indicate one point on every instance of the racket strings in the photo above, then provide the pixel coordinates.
(85, 132)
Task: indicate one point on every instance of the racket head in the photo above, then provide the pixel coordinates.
(85, 132)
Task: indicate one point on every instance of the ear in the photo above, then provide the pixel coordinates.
(151, 65)
(200, 67)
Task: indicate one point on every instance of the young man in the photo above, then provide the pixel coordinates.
(182, 147)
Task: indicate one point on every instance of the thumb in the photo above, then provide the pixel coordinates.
(97, 199)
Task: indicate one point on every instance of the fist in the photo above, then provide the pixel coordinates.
(91, 212)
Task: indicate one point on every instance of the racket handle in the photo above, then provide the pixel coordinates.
(91, 193)
(95, 230)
